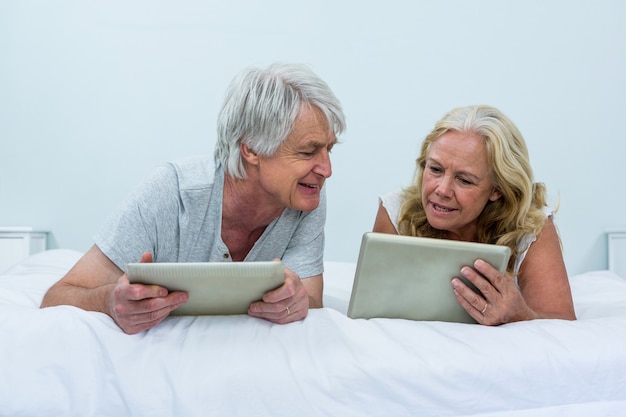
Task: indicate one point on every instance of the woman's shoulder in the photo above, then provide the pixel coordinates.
(392, 201)
(392, 198)
(527, 239)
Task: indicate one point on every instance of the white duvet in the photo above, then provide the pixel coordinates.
(63, 361)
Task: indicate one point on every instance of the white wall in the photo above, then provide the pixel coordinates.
(93, 95)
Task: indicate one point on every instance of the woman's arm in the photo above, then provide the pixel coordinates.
(543, 277)
(383, 223)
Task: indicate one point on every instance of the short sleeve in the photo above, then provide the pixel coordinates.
(392, 202)
(147, 217)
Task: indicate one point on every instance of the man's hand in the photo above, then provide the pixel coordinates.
(285, 304)
(138, 307)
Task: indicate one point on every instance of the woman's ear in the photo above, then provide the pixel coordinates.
(248, 154)
(495, 194)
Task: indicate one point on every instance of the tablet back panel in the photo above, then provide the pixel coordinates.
(214, 288)
(409, 277)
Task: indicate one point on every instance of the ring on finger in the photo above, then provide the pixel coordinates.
(288, 312)
(484, 309)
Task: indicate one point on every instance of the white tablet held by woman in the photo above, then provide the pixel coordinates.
(409, 277)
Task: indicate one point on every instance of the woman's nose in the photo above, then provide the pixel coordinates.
(444, 187)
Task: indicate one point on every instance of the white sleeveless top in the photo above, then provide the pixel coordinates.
(393, 200)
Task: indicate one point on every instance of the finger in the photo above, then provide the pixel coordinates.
(281, 318)
(139, 298)
(134, 292)
(136, 327)
(290, 288)
(272, 310)
(155, 309)
(133, 324)
(173, 300)
(489, 272)
(146, 313)
(283, 312)
(282, 293)
(467, 307)
(476, 283)
(146, 257)
(481, 316)
(469, 300)
(287, 303)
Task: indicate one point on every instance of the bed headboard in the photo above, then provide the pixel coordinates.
(617, 251)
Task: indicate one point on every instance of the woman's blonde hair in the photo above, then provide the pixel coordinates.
(503, 221)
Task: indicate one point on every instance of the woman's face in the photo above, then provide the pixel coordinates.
(456, 185)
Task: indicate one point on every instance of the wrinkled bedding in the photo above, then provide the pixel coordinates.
(63, 361)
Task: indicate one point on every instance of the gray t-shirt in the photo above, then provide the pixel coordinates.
(176, 214)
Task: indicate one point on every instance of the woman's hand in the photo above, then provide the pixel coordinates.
(501, 300)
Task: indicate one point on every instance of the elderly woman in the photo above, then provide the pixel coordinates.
(260, 198)
(474, 183)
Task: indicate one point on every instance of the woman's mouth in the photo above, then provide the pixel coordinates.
(441, 209)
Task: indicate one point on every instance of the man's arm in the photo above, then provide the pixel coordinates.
(95, 283)
(315, 287)
(88, 285)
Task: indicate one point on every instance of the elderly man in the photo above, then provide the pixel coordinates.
(260, 198)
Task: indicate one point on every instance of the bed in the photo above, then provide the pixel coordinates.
(63, 361)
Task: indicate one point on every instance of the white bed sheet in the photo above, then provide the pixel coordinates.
(65, 361)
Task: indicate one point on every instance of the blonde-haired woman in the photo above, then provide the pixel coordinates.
(474, 183)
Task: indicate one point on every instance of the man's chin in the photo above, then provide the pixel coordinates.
(307, 204)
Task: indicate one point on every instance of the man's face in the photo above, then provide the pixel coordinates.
(295, 174)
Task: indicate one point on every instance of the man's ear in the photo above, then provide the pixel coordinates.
(248, 154)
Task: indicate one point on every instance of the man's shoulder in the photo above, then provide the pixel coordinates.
(194, 172)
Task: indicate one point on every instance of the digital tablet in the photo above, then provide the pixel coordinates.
(409, 277)
(214, 288)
